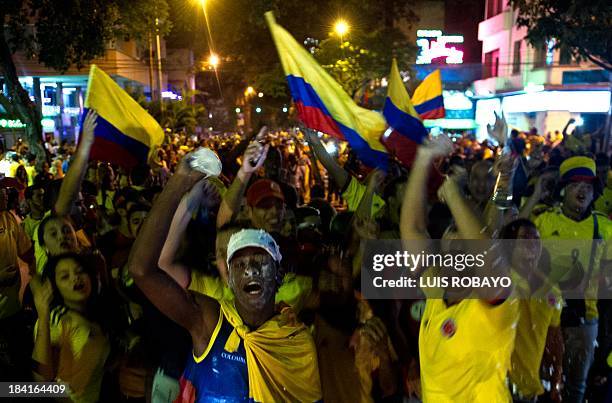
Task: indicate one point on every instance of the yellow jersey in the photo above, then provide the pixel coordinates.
(573, 252)
(604, 203)
(354, 193)
(82, 350)
(536, 315)
(465, 350)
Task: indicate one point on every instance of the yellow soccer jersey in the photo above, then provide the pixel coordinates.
(354, 193)
(82, 352)
(604, 202)
(536, 315)
(465, 350)
(565, 256)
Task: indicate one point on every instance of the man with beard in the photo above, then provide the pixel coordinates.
(582, 262)
(241, 348)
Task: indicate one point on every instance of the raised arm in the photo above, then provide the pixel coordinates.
(468, 224)
(232, 199)
(71, 183)
(42, 353)
(338, 174)
(161, 289)
(413, 219)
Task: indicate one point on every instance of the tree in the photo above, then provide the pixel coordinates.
(250, 58)
(580, 26)
(62, 34)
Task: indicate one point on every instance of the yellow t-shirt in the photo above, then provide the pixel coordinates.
(465, 350)
(354, 193)
(566, 255)
(30, 225)
(537, 314)
(13, 243)
(604, 203)
(82, 352)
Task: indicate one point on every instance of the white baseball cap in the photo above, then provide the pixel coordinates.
(253, 238)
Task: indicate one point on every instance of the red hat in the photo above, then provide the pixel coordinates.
(263, 189)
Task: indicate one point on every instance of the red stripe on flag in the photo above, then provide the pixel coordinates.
(434, 114)
(318, 120)
(108, 151)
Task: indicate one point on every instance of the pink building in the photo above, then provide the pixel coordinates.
(535, 87)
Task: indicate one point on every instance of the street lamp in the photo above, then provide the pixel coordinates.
(250, 91)
(213, 60)
(341, 27)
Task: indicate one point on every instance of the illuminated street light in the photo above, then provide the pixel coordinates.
(250, 91)
(213, 60)
(285, 109)
(258, 109)
(237, 110)
(260, 95)
(341, 27)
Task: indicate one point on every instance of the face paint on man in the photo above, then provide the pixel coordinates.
(253, 277)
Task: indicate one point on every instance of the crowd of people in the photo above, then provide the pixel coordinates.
(159, 283)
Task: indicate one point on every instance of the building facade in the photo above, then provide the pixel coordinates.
(535, 87)
(61, 96)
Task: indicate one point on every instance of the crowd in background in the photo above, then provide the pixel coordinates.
(73, 308)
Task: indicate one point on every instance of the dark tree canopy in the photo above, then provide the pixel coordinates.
(61, 34)
(581, 26)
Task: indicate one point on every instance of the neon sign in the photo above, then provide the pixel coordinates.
(434, 46)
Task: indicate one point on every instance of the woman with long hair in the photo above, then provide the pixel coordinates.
(71, 342)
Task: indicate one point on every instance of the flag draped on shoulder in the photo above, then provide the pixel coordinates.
(323, 105)
(406, 131)
(125, 133)
(427, 98)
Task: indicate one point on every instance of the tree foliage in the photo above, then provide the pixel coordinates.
(581, 26)
(64, 33)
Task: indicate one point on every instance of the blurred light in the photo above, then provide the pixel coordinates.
(531, 88)
(249, 91)
(48, 124)
(169, 95)
(330, 147)
(237, 110)
(285, 109)
(456, 100)
(429, 33)
(210, 115)
(341, 27)
(258, 109)
(579, 121)
(260, 95)
(384, 82)
(571, 101)
(213, 60)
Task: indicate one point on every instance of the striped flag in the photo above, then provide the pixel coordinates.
(406, 130)
(323, 105)
(126, 134)
(427, 98)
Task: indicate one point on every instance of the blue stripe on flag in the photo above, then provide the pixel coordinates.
(432, 104)
(404, 123)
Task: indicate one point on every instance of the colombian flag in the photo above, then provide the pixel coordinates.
(323, 105)
(427, 98)
(406, 130)
(126, 133)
